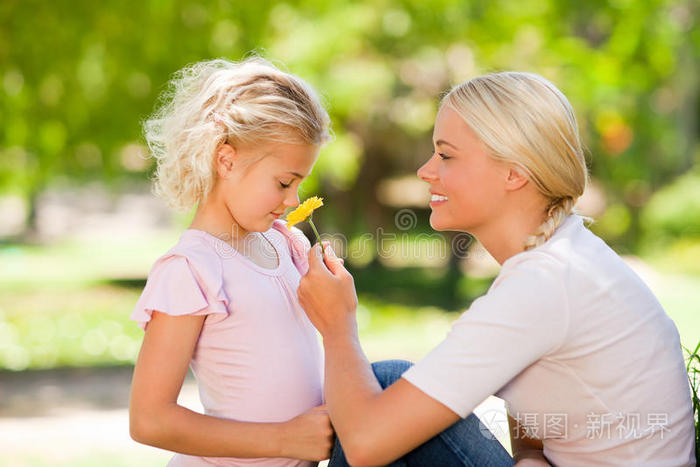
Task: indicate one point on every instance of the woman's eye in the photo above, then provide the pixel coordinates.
(286, 185)
(443, 156)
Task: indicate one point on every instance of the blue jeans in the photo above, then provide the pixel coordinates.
(467, 442)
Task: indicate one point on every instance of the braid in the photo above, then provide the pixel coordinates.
(557, 211)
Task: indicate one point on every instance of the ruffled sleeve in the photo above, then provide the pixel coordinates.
(176, 287)
(299, 245)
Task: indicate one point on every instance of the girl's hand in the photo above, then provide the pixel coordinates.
(327, 293)
(309, 436)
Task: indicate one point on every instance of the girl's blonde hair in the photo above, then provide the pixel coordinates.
(219, 101)
(524, 120)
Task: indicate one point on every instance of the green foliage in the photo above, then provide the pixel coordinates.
(614, 222)
(681, 256)
(693, 367)
(674, 211)
(77, 78)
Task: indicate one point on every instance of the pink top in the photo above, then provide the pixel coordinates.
(258, 357)
(581, 351)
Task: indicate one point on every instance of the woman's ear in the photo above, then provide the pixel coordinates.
(516, 179)
(225, 157)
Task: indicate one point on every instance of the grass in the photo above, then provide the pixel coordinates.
(693, 367)
(79, 262)
(68, 304)
(65, 325)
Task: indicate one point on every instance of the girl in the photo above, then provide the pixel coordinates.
(588, 363)
(236, 140)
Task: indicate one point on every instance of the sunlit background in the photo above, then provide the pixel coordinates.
(79, 228)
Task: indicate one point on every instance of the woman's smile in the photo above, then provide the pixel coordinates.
(436, 199)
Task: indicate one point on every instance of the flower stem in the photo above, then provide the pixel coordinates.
(318, 237)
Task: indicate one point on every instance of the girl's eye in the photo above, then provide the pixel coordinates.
(286, 185)
(444, 156)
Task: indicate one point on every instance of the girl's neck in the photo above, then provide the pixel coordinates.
(214, 218)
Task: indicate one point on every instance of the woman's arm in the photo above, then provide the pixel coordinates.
(526, 451)
(156, 419)
(374, 427)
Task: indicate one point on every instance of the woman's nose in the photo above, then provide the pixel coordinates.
(427, 171)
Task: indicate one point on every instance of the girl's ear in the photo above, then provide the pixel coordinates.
(516, 179)
(225, 157)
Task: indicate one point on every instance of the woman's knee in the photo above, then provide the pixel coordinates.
(389, 371)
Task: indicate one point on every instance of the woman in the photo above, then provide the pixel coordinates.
(586, 359)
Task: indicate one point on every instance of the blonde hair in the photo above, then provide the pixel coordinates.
(218, 101)
(524, 120)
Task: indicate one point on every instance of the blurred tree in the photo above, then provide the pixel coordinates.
(77, 77)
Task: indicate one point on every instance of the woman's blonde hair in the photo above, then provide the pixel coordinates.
(524, 120)
(219, 101)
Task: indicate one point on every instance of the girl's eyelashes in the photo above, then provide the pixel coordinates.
(444, 156)
(286, 185)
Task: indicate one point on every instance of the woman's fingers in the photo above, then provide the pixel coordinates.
(332, 261)
(327, 292)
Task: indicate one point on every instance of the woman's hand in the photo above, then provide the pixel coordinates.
(308, 436)
(527, 451)
(327, 293)
(532, 462)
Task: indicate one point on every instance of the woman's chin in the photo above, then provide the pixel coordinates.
(437, 224)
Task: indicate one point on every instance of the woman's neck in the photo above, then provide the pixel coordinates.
(505, 235)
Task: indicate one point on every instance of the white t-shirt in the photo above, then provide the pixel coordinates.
(581, 351)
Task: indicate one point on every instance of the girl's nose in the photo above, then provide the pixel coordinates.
(427, 172)
(292, 199)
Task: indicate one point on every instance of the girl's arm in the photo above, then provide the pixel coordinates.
(156, 419)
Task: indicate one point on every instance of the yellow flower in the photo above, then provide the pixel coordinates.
(301, 213)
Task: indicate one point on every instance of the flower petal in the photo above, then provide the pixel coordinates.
(304, 210)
